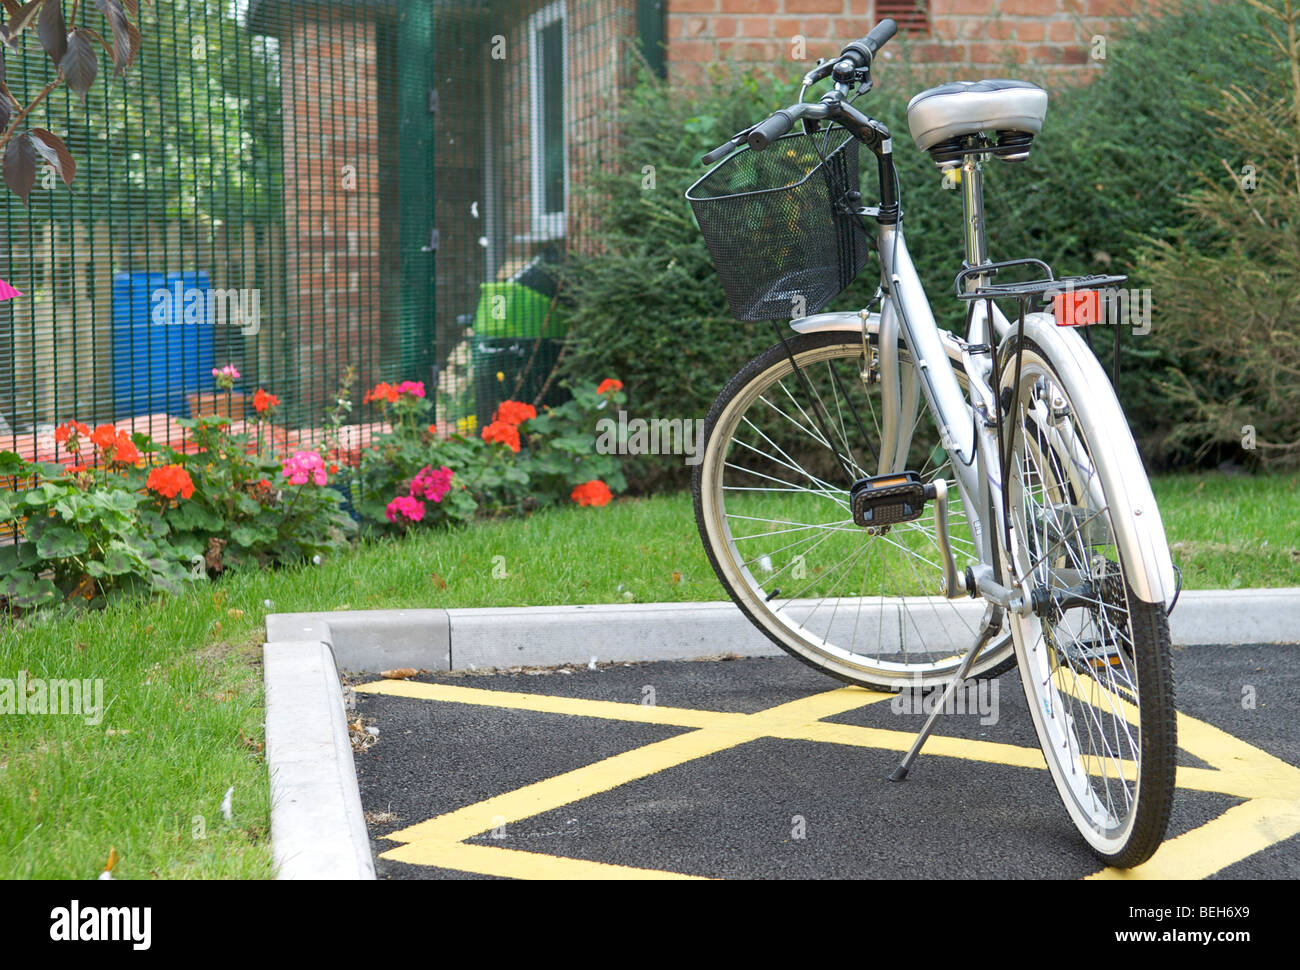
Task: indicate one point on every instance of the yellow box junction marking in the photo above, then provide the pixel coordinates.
(1271, 788)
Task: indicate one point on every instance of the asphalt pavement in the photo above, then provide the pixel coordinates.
(764, 768)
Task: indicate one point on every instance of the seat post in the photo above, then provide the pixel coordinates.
(972, 191)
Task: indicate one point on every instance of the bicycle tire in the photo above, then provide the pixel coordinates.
(1094, 668)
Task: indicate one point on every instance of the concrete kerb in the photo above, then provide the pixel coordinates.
(318, 830)
(441, 640)
(317, 826)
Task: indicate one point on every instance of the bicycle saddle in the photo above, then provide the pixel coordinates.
(942, 115)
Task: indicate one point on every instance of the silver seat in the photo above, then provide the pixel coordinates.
(961, 108)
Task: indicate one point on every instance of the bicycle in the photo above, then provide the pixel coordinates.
(822, 453)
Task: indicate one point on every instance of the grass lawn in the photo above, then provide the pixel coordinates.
(182, 676)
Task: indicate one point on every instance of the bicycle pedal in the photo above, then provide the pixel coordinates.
(889, 499)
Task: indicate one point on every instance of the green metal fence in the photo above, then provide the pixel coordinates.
(297, 188)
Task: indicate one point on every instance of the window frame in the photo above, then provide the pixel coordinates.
(546, 225)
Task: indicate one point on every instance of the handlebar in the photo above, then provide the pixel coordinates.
(862, 52)
(855, 59)
(856, 55)
(772, 127)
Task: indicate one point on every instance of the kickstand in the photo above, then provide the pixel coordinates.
(990, 626)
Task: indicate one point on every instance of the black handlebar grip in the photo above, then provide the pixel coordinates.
(862, 52)
(880, 33)
(719, 153)
(770, 129)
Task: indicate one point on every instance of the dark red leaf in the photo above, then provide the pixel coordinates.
(52, 31)
(121, 27)
(79, 64)
(53, 150)
(24, 18)
(20, 167)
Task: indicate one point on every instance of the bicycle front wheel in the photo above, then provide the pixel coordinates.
(772, 506)
(1094, 657)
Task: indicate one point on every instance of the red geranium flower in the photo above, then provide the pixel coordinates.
(383, 391)
(170, 481)
(264, 402)
(124, 451)
(609, 384)
(505, 433)
(514, 412)
(105, 436)
(69, 432)
(594, 492)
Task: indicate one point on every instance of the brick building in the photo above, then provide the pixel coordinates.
(383, 172)
(968, 37)
(487, 179)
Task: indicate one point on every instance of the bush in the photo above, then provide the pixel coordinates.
(1228, 281)
(1114, 156)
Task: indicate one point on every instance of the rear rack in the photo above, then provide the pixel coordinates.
(1043, 289)
(1030, 294)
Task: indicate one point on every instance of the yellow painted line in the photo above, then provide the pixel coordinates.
(1251, 772)
(543, 796)
(572, 786)
(1235, 835)
(489, 860)
(888, 740)
(549, 704)
(1271, 815)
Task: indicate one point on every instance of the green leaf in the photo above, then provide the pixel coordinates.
(119, 559)
(27, 591)
(11, 463)
(60, 543)
(250, 536)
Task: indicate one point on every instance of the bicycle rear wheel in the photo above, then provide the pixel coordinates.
(1094, 658)
(772, 506)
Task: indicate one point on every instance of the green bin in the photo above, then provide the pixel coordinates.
(512, 336)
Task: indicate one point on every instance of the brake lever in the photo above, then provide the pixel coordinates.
(822, 70)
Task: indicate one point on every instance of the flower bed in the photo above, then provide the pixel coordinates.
(127, 511)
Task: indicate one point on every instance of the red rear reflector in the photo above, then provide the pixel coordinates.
(1077, 308)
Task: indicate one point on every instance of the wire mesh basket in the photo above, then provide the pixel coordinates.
(781, 224)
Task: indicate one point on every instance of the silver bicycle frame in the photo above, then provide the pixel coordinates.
(966, 423)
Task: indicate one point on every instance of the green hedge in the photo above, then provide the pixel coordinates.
(1110, 166)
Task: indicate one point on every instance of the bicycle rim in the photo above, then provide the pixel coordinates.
(1094, 658)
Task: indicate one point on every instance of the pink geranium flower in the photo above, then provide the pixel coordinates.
(414, 388)
(404, 510)
(226, 376)
(430, 484)
(305, 466)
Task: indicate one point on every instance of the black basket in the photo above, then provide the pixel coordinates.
(781, 224)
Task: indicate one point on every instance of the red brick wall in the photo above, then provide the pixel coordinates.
(596, 32)
(332, 225)
(967, 38)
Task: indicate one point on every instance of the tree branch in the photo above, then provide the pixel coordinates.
(18, 118)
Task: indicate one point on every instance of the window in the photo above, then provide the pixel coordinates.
(550, 176)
